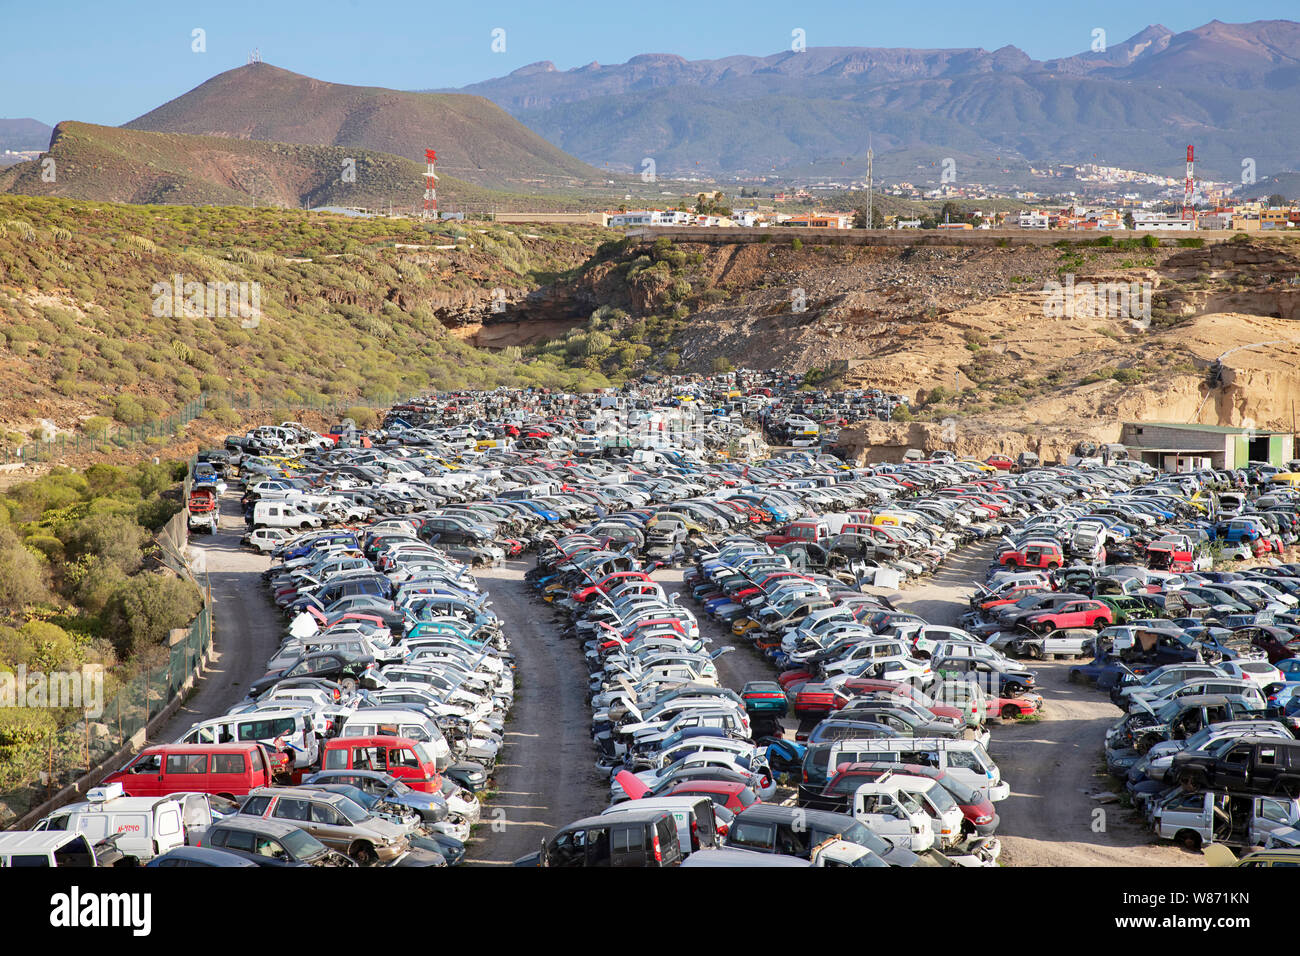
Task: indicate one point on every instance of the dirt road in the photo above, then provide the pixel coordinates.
(546, 774)
(247, 626)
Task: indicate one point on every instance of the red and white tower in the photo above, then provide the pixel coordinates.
(431, 184)
(1187, 187)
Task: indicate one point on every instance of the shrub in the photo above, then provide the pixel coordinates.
(22, 577)
(143, 609)
(128, 411)
(114, 537)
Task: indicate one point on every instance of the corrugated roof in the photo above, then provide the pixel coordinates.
(1214, 429)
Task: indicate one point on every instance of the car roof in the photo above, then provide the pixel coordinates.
(207, 853)
(242, 821)
(767, 812)
(36, 841)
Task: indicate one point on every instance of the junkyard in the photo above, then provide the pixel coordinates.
(680, 624)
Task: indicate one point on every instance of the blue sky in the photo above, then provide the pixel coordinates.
(110, 62)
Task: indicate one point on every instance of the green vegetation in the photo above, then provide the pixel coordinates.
(82, 285)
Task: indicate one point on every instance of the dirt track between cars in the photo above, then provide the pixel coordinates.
(546, 774)
(1055, 764)
(247, 626)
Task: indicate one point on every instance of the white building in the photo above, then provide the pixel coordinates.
(1034, 220)
(1152, 220)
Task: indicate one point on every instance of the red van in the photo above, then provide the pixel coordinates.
(230, 770)
(410, 761)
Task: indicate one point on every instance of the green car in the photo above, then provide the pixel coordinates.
(1123, 608)
(764, 697)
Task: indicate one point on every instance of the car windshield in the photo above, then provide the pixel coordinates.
(352, 810)
(941, 799)
(856, 832)
(910, 802)
(301, 844)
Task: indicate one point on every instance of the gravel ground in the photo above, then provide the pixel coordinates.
(546, 775)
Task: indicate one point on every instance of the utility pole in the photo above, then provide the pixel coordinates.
(870, 184)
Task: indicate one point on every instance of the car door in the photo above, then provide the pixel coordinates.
(329, 826)
(1270, 813)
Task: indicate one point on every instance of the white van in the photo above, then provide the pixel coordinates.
(945, 815)
(284, 514)
(42, 848)
(294, 728)
(145, 826)
(966, 760)
(894, 814)
(398, 722)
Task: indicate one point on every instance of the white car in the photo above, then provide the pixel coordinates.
(1261, 672)
(266, 540)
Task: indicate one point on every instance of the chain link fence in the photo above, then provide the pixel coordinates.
(123, 436)
(35, 767)
(42, 752)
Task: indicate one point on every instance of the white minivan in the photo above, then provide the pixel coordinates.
(284, 514)
(145, 826)
(966, 760)
(397, 722)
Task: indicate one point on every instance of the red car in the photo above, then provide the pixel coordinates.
(582, 595)
(808, 532)
(1033, 556)
(817, 698)
(1089, 614)
(1000, 462)
(725, 793)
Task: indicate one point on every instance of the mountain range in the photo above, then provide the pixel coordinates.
(1232, 90)
(23, 134)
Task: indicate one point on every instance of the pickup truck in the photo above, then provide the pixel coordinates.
(810, 532)
(1244, 764)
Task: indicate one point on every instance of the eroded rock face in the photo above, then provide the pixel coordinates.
(870, 442)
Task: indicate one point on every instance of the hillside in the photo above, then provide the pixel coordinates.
(476, 141)
(962, 330)
(110, 164)
(1137, 104)
(349, 308)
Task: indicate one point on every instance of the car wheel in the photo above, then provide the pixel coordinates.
(348, 684)
(1010, 711)
(1190, 839)
(1036, 651)
(363, 853)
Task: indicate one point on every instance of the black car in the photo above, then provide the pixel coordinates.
(271, 843)
(1243, 765)
(343, 669)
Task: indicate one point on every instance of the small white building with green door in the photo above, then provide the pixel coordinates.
(1172, 446)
